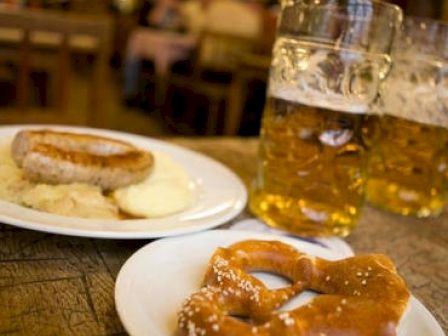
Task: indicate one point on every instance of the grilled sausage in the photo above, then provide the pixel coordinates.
(60, 158)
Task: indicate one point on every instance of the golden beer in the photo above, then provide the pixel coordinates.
(409, 162)
(408, 167)
(329, 59)
(311, 174)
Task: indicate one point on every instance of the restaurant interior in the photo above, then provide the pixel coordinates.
(114, 64)
(127, 121)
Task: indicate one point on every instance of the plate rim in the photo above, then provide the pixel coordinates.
(128, 264)
(234, 211)
(154, 244)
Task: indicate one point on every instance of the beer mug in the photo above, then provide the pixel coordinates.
(328, 61)
(409, 163)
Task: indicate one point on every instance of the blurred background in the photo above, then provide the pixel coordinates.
(158, 68)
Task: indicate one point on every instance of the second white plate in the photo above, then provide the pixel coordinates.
(220, 196)
(154, 282)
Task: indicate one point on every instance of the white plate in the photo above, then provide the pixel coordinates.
(219, 196)
(154, 282)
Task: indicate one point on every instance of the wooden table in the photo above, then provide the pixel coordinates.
(55, 285)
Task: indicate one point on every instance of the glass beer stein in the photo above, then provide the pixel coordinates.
(328, 61)
(408, 167)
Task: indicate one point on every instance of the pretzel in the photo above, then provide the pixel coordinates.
(62, 158)
(362, 295)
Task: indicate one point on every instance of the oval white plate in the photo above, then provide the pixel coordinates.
(154, 282)
(219, 196)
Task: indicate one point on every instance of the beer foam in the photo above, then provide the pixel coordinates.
(325, 76)
(416, 91)
(328, 101)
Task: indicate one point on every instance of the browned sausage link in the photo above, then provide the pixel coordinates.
(25, 140)
(60, 158)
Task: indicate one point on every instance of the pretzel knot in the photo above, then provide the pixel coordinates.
(362, 295)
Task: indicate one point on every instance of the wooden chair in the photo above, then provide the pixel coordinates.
(217, 56)
(251, 67)
(45, 40)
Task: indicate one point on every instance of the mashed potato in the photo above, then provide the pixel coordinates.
(167, 190)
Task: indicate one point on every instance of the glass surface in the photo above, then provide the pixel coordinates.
(409, 164)
(328, 61)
